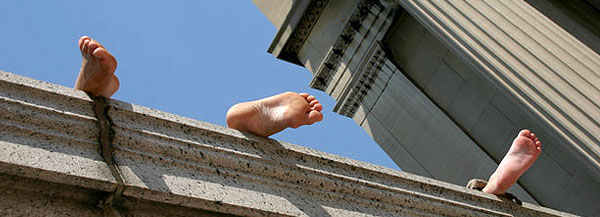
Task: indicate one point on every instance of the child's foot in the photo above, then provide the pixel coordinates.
(524, 151)
(98, 66)
(270, 115)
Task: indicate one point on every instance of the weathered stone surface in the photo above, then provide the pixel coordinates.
(33, 197)
(174, 166)
(49, 132)
(275, 10)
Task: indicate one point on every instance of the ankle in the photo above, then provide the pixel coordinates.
(497, 185)
(492, 188)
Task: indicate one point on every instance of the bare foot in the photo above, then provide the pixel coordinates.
(524, 151)
(98, 66)
(270, 115)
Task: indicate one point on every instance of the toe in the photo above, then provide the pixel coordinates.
(85, 48)
(82, 40)
(313, 103)
(310, 98)
(106, 59)
(525, 133)
(303, 95)
(314, 116)
(92, 46)
(99, 52)
(318, 107)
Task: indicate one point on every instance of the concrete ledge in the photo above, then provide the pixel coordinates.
(175, 166)
(49, 133)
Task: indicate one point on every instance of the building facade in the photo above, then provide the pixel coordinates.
(444, 86)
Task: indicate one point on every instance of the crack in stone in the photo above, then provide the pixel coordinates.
(105, 137)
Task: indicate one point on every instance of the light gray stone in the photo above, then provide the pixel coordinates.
(404, 38)
(470, 102)
(33, 197)
(310, 57)
(48, 130)
(392, 146)
(444, 85)
(20, 203)
(425, 60)
(458, 66)
(176, 166)
(275, 10)
(330, 24)
(492, 129)
(192, 167)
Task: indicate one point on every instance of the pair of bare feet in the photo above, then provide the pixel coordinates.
(273, 114)
(263, 117)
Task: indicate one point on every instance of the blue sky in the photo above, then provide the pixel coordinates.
(190, 58)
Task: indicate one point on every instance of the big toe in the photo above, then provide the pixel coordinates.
(106, 59)
(101, 53)
(525, 133)
(314, 116)
(83, 40)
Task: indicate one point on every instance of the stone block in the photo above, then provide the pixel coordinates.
(48, 132)
(491, 131)
(310, 57)
(470, 102)
(20, 203)
(579, 195)
(404, 38)
(509, 109)
(547, 165)
(34, 197)
(425, 60)
(386, 107)
(444, 86)
(361, 114)
(458, 66)
(330, 24)
(275, 10)
(340, 83)
(392, 146)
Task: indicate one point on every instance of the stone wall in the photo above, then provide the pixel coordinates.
(63, 153)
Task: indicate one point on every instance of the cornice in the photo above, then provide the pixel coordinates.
(295, 29)
(324, 73)
(364, 82)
